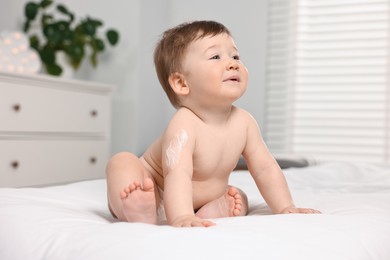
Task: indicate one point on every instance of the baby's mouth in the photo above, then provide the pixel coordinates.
(233, 78)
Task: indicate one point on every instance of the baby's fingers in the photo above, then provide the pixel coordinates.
(206, 223)
(202, 223)
(308, 211)
(292, 210)
(193, 222)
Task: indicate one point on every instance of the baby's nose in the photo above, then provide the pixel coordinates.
(233, 65)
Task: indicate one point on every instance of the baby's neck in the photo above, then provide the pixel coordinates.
(215, 117)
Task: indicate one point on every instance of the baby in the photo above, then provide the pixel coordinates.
(187, 168)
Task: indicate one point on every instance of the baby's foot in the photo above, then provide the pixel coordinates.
(229, 205)
(139, 202)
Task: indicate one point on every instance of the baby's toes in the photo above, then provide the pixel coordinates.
(233, 192)
(134, 186)
(237, 196)
(123, 194)
(236, 212)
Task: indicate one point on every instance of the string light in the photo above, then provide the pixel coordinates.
(16, 56)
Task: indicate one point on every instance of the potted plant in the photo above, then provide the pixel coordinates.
(60, 31)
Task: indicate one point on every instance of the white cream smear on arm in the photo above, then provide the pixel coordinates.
(173, 152)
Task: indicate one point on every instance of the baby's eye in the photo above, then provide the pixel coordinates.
(236, 57)
(215, 57)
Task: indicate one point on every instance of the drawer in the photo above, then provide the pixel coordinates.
(26, 108)
(42, 162)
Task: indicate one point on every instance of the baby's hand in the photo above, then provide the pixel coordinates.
(191, 221)
(293, 209)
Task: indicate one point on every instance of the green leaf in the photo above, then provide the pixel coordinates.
(95, 22)
(71, 17)
(75, 53)
(52, 34)
(112, 37)
(34, 42)
(93, 59)
(62, 9)
(45, 3)
(31, 10)
(47, 56)
(26, 26)
(46, 19)
(53, 69)
(62, 26)
(98, 45)
(89, 27)
(67, 37)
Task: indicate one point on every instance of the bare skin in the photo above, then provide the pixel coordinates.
(192, 160)
(139, 204)
(231, 204)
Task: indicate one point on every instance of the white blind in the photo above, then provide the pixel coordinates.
(327, 80)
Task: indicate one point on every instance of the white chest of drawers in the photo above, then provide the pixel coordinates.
(52, 130)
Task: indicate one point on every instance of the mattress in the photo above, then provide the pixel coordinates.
(73, 222)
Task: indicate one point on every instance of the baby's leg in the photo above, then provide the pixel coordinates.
(233, 203)
(131, 191)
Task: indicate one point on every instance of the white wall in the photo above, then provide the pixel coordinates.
(140, 107)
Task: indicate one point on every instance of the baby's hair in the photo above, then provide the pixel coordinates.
(171, 48)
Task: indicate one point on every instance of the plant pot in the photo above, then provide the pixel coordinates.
(62, 61)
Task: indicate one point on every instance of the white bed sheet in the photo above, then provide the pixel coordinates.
(72, 222)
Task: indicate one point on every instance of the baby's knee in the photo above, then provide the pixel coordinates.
(123, 156)
(119, 159)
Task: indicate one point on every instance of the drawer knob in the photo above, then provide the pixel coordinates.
(94, 113)
(93, 160)
(16, 107)
(15, 164)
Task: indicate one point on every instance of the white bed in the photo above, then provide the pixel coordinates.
(72, 222)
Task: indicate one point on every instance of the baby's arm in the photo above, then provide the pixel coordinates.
(267, 174)
(177, 151)
(178, 200)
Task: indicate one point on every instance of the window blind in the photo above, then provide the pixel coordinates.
(327, 93)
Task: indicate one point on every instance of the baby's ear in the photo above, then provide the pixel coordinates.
(178, 84)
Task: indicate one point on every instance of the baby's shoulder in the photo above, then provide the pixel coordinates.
(183, 119)
(240, 114)
(184, 116)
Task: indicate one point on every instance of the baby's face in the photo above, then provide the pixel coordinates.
(213, 70)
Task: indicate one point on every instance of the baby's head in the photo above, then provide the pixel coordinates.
(170, 50)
